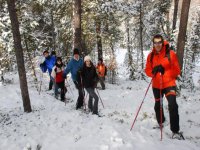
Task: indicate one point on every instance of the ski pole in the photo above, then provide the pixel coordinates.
(100, 98)
(141, 104)
(161, 108)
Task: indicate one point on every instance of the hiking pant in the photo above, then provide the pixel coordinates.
(60, 85)
(81, 94)
(51, 83)
(102, 80)
(92, 106)
(170, 94)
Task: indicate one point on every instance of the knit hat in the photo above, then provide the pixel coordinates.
(58, 59)
(87, 58)
(101, 59)
(76, 51)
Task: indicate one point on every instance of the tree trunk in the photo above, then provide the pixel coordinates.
(98, 35)
(130, 61)
(53, 32)
(19, 55)
(175, 14)
(141, 37)
(182, 31)
(77, 26)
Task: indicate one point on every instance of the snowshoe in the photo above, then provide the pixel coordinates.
(178, 136)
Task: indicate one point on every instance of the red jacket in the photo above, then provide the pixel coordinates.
(172, 69)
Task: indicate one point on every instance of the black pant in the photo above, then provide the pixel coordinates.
(81, 94)
(61, 85)
(50, 84)
(92, 106)
(102, 80)
(172, 106)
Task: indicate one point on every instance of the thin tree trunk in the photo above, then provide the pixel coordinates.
(53, 32)
(182, 31)
(32, 63)
(141, 37)
(98, 35)
(77, 25)
(175, 14)
(130, 61)
(19, 55)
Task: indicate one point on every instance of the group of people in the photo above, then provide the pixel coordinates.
(83, 73)
(161, 65)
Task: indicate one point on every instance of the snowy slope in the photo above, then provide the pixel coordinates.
(54, 126)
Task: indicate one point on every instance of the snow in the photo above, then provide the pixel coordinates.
(53, 126)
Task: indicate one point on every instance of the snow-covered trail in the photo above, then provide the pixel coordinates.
(56, 126)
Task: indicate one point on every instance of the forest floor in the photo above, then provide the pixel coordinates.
(53, 126)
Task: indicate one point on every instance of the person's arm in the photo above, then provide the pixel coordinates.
(43, 67)
(53, 73)
(149, 69)
(67, 69)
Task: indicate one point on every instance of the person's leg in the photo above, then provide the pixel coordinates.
(156, 93)
(101, 80)
(62, 93)
(79, 102)
(94, 95)
(50, 84)
(90, 102)
(56, 90)
(173, 109)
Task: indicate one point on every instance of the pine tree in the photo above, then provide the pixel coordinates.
(19, 55)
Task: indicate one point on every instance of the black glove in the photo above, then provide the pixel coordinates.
(157, 69)
(42, 64)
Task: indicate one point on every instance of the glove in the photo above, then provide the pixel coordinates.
(157, 69)
(64, 75)
(42, 64)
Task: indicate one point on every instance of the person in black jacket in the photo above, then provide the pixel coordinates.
(89, 80)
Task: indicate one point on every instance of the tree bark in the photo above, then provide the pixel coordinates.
(77, 26)
(182, 31)
(175, 14)
(141, 37)
(98, 35)
(19, 55)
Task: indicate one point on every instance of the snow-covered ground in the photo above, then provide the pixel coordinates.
(54, 126)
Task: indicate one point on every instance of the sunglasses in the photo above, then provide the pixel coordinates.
(157, 43)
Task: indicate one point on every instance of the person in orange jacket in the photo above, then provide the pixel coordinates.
(162, 65)
(101, 71)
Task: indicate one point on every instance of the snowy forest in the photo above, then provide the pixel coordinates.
(99, 74)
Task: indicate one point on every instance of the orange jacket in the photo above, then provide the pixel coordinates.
(172, 69)
(101, 69)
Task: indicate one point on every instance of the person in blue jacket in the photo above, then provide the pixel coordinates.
(48, 64)
(74, 66)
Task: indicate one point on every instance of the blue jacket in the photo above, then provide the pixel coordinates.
(48, 64)
(73, 67)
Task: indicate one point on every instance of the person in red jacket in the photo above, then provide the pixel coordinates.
(162, 65)
(57, 74)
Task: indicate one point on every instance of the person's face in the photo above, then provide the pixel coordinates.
(46, 55)
(76, 56)
(157, 43)
(99, 62)
(88, 64)
(59, 62)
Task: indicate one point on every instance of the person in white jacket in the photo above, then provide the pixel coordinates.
(57, 74)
